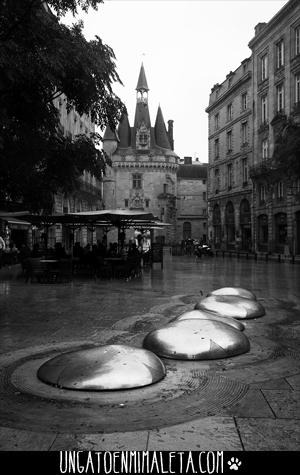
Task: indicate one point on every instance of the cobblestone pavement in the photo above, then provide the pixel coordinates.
(248, 402)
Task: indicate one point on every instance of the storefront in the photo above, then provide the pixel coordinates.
(280, 228)
(262, 233)
(230, 226)
(245, 225)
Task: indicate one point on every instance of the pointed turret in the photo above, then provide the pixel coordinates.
(142, 81)
(124, 132)
(142, 125)
(161, 135)
(109, 134)
(110, 140)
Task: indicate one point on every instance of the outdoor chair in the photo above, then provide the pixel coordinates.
(64, 271)
(36, 270)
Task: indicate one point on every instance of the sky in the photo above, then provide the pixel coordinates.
(186, 47)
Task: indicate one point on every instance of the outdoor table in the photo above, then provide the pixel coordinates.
(49, 261)
(114, 262)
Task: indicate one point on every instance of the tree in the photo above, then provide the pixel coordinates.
(286, 156)
(40, 60)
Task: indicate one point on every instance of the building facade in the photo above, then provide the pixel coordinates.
(143, 175)
(191, 200)
(247, 209)
(88, 197)
(230, 154)
(276, 88)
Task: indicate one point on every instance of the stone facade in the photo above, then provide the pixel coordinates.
(143, 175)
(247, 211)
(230, 154)
(276, 87)
(191, 200)
(88, 197)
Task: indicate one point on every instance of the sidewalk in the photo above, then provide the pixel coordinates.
(249, 402)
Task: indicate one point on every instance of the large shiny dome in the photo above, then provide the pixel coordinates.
(197, 340)
(231, 306)
(237, 291)
(103, 368)
(201, 315)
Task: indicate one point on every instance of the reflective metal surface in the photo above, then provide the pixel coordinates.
(201, 315)
(238, 291)
(104, 367)
(231, 306)
(197, 340)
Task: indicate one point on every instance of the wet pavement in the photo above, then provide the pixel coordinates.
(247, 402)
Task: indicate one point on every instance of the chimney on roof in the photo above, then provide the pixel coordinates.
(170, 133)
(259, 27)
(188, 160)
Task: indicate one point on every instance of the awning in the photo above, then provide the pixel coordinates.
(17, 224)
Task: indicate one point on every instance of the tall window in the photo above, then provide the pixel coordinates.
(279, 97)
(217, 180)
(204, 195)
(217, 148)
(264, 108)
(297, 89)
(244, 132)
(244, 101)
(264, 67)
(262, 194)
(229, 175)
(280, 190)
(187, 230)
(245, 170)
(217, 118)
(229, 141)
(136, 181)
(265, 149)
(297, 40)
(279, 53)
(229, 111)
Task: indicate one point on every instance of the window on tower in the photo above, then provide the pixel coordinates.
(136, 181)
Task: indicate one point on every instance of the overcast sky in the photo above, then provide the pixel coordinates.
(186, 47)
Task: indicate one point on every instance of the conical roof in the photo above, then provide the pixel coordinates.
(110, 134)
(142, 81)
(124, 132)
(161, 136)
(142, 115)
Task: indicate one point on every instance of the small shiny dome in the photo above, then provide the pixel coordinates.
(237, 291)
(201, 315)
(103, 368)
(197, 340)
(231, 306)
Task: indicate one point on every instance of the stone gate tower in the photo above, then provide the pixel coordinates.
(144, 164)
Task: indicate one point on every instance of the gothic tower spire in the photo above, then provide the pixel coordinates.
(142, 123)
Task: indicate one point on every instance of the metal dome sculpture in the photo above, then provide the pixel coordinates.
(197, 340)
(201, 315)
(237, 291)
(109, 367)
(231, 306)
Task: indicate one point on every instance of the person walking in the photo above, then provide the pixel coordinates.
(2, 249)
